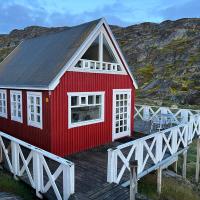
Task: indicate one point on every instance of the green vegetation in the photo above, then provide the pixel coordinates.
(146, 73)
(177, 45)
(8, 184)
(173, 189)
(4, 52)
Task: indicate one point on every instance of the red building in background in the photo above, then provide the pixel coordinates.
(67, 91)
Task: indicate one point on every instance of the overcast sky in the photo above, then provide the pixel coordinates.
(21, 13)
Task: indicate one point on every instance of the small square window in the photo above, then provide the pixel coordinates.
(98, 99)
(74, 101)
(90, 100)
(83, 100)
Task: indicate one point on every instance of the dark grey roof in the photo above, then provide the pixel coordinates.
(37, 61)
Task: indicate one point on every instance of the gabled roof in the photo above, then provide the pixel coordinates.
(36, 63)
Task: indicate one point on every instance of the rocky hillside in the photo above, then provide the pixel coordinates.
(165, 57)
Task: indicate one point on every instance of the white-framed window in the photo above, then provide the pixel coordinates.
(3, 103)
(85, 108)
(34, 109)
(16, 105)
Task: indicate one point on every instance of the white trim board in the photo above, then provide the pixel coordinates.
(127, 132)
(75, 58)
(85, 94)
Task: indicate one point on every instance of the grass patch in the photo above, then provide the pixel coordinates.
(8, 184)
(172, 189)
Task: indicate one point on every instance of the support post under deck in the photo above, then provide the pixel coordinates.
(175, 166)
(198, 161)
(133, 179)
(159, 180)
(184, 168)
(1, 154)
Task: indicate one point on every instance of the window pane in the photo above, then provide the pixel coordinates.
(32, 117)
(74, 101)
(93, 51)
(98, 99)
(31, 100)
(83, 100)
(38, 100)
(38, 118)
(32, 108)
(38, 109)
(86, 113)
(90, 100)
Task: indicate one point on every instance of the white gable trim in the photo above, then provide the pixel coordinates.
(74, 59)
(120, 53)
(102, 32)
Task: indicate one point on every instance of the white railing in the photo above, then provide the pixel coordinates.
(146, 113)
(97, 65)
(22, 158)
(154, 149)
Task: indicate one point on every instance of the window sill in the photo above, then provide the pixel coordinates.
(3, 116)
(16, 119)
(35, 125)
(78, 124)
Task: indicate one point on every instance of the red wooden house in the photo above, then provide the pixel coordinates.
(67, 91)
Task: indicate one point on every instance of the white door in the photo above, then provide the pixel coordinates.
(121, 113)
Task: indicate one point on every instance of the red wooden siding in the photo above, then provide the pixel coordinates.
(66, 141)
(32, 135)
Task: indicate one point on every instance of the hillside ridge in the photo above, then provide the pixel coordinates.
(164, 57)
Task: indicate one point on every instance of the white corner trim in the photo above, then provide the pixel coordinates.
(85, 94)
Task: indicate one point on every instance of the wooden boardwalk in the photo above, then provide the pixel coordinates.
(91, 176)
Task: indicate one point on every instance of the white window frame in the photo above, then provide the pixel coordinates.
(30, 122)
(16, 118)
(2, 114)
(85, 94)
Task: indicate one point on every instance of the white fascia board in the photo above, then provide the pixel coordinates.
(56, 80)
(119, 50)
(86, 43)
(23, 88)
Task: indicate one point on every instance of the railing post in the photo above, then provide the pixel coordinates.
(174, 140)
(159, 180)
(159, 143)
(1, 152)
(184, 167)
(15, 159)
(37, 173)
(198, 161)
(68, 181)
(139, 156)
(133, 179)
(112, 166)
(184, 116)
(146, 113)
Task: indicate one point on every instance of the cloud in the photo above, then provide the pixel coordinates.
(188, 9)
(18, 16)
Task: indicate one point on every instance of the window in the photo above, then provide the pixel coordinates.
(85, 108)
(3, 103)
(16, 105)
(34, 107)
(100, 57)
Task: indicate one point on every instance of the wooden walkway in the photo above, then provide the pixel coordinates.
(8, 196)
(91, 176)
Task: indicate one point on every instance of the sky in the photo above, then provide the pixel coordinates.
(18, 14)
